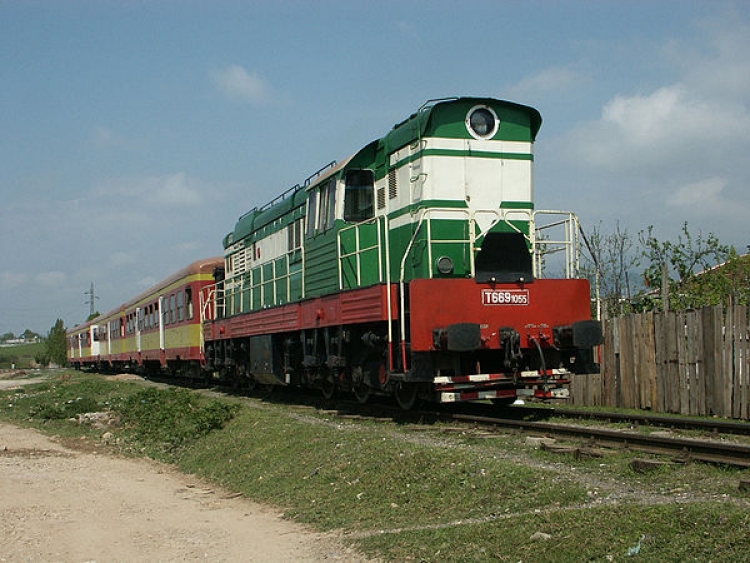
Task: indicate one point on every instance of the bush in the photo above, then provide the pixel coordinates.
(164, 420)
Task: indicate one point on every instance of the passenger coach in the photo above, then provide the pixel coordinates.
(159, 329)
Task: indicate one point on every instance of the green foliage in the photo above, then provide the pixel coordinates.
(63, 410)
(693, 260)
(701, 271)
(56, 344)
(163, 420)
(22, 355)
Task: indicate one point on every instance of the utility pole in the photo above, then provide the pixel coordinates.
(90, 301)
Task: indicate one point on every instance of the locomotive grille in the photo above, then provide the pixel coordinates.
(392, 185)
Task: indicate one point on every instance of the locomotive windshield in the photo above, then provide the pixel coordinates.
(359, 196)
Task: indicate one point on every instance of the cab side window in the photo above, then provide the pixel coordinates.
(359, 196)
(321, 208)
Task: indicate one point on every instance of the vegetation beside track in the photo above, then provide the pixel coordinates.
(23, 356)
(407, 492)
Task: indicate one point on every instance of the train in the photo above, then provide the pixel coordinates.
(415, 268)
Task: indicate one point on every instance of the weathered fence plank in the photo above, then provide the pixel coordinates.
(694, 362)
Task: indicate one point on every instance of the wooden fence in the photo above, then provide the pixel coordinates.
(691, 362)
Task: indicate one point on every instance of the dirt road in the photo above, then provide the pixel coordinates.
(63, 504)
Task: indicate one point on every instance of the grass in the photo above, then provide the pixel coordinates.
(22, 355)
(403, 493)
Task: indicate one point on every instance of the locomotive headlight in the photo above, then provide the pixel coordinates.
(482, 122)
(445, 265)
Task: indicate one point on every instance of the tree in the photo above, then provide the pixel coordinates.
(677, 266)
(29, 335)
(56, 344)
(612, 257)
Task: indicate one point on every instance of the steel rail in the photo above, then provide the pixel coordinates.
(708, 424)
(702, 450)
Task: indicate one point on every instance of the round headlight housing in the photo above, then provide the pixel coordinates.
(445, 265)
(482, 122)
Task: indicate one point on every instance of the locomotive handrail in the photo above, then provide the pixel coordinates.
(358, 250)
(569, 243)
(425, 213)
(540, 246)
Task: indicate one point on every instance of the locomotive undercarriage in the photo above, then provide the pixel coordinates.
(357, 359)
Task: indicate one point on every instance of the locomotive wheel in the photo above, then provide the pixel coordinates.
(250, 383)
(407, 395)
(328, 388)
(362, 392)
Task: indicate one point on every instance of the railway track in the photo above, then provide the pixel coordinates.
(711, 425)
(715, 450)
(709, 451)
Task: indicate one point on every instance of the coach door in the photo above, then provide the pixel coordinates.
(138, 326)
(162, 322)
(94, 340)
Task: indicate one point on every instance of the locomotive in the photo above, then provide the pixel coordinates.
(413, 268)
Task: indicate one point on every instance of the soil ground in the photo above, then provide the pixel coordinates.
(61, 503)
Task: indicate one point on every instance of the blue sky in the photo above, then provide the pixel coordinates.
(134, 133)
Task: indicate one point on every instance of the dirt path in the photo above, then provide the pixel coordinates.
(62, 504)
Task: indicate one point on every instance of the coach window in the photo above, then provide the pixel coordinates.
(294, 235)
(327, 205)
(358, 196)
(189, 302)
(180, 307)
(172, 309)
(312, 213)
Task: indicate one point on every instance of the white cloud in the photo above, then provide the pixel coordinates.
(550, 79)
(103, 137)
(671, 127)
(172, 190)
(706, 192)
(50, 279)
(120, 259)
(717, 63)
(176, 190)
(11, 280)
(238, 84)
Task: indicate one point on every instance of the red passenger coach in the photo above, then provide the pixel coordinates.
(161, 329)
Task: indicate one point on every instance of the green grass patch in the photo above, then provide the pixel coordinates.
(407, 493)
(359, 476)
(22, 355)
(673, 533)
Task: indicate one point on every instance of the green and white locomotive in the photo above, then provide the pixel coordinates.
(411, 268)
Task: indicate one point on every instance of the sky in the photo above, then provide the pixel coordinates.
(133, 134)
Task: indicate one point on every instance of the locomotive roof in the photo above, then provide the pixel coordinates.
(521, 121)
(420, 122)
